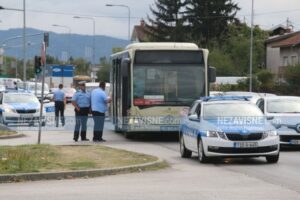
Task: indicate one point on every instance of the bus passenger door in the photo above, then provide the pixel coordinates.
(126, 90)
(116, 92)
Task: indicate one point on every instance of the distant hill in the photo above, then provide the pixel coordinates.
(78, 45)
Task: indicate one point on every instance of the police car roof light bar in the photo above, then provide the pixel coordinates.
(224, 98)
(17, 91)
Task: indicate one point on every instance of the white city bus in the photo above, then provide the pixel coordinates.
(152, 82)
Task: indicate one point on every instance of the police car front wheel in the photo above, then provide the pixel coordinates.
(201, 153)
(184, 152)
(272, 159)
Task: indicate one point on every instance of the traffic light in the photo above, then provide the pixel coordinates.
(37, 64)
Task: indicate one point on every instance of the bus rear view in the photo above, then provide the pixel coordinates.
(153, 82)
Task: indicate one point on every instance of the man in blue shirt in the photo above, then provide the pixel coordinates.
(60, 101)
(99, 107)
(81, 100)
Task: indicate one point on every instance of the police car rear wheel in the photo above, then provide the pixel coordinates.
(201, 154)
(184, 152)
(272, 159)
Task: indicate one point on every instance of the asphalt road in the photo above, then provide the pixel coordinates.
(187, 179)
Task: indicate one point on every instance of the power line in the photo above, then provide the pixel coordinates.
(80, 14)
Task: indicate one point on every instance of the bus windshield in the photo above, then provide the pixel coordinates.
(166, 84)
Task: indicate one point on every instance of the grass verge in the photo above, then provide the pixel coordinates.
(47, 158)
(7, 132)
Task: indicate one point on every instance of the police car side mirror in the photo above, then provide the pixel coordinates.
(194, 118)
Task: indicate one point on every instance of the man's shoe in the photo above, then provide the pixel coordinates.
(75, 140)
(85, 139)
(102, 140)
(96, 140)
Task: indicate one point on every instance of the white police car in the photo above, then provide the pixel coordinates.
(227, 127)
(20, 108)
(285, 114)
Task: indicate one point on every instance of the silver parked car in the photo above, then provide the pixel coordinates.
(285, 114)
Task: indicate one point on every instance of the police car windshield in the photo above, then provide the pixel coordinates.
(212, 111)
(283, 106)
(20, 98)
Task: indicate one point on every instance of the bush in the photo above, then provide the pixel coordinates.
(292, 77)
(265, 79)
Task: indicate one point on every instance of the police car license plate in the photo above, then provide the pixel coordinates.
(294, 141)
(245, 145)
(26, 116)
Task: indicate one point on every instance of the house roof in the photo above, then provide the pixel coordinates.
(139, 33)
(278, 38)
(293, 40)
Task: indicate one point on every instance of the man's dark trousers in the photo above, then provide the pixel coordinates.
(59, 108)
(98, 118)
(81, 120)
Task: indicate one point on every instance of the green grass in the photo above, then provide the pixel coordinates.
(47, 158)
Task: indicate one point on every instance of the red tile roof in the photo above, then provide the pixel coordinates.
(293, 40)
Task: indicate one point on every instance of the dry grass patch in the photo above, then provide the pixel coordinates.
(7, 132)
(47, 158)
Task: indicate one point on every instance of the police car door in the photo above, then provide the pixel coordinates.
(193, 123)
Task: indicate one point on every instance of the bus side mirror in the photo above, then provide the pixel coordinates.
(212, 74)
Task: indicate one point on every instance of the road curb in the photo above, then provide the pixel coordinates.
(77, 174)
(12, 136)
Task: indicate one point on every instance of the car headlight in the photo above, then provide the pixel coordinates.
(212, 134)
(9, 110)
(270, 134)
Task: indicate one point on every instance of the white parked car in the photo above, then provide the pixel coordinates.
(285, 114)
(32, 87)
(20, 108)
(227, 127)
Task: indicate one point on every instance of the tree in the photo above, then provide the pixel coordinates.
(103, 73)
(117, 49)
(82, 67)
(209, 19)
(223, 63)
(237, 45)
(168, 23)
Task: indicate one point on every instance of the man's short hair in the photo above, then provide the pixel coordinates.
(102, 84)
(60, 85)
(81, 83)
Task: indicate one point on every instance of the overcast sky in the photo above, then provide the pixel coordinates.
(113, 21)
